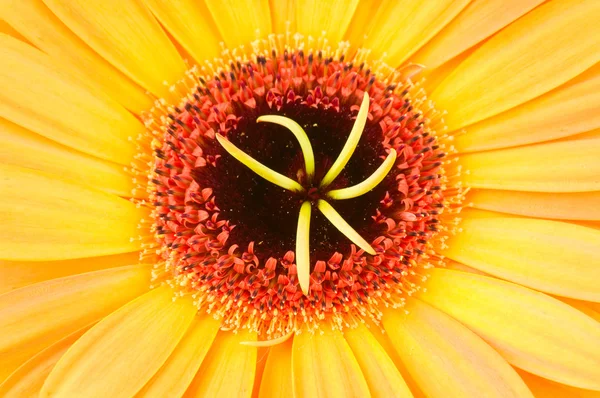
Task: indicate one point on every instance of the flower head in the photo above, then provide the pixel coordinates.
(310, 198)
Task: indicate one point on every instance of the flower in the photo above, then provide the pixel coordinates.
(342, 199)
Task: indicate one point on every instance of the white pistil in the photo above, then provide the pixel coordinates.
(268, 343)
(368, 184)
(259, 168)
(303, 248)
(345, 228)
(350, 145)
(298, 131)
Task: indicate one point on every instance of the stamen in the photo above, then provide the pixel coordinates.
(371, 182)
(350, 145)
(259, 168)
(336, 219)
(298, 131)
(302, 247)
(268, 343)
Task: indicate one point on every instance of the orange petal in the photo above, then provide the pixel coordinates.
(399, 28)
(568, 110)
(582, 306)
(544, 388)
(447, 359)
(478, 21)
(513, 67)
(323, 365)
(276, 381)
(529, 329)
(566, 166)
(241, 21)
(40, 95)
(178, 372)
(312, 17)
(36, 316)
(562, 206)
(126, 34)
(382, 376)
(9, 30)
(551, 256)
(23, 148)
(46, 218)
(228, 369)
(35, 21)
(28, 379)
(383, 339)
(191, 24)
(16, 274)
(118, 355)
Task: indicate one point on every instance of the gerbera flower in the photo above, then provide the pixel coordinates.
(253, 198)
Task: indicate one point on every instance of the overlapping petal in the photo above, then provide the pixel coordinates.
(531, 330)
(145, 331)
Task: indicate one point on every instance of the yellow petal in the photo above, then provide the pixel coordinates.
(551, 256)
(544, 388)
(547, 47)
(315, 16)
(228, 369)
(478, 21)
(563, 206)
(16, 274)
(23, 148)
(241, 21)
(433, 77)
(323, 365)
(383, 339)
(28, 379)
(398, 28)
(568, 110)
(9, 30)
(43, 97)
(118, 355)
(283, 16)
(449, 264)
(582, 306)
(178, 372)
(46, 218)
(447, 359)
(584, 136)
(567, 166)
(276, 380)
(531, 330)
(36, 22)
(36, 316)
(126, 34)
(189, 22)
(382, 376)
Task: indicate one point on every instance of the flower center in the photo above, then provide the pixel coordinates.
(293, 188)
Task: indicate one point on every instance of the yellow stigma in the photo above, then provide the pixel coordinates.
(259, 168)
(350, 145)
(303, 247)
(298, 131)
(368, 184)
(345, 228)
